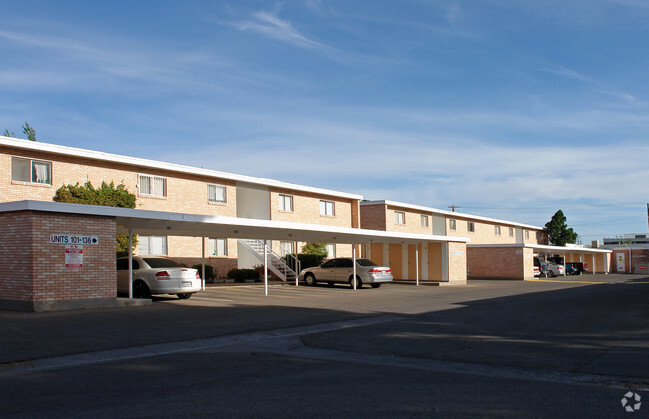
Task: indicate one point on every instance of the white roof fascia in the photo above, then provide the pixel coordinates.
(452, 213)
(135, 161)
(558, 249)
(168, 223)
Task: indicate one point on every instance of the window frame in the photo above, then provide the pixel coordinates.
(424, 221)
(152, 185)
(32, 170)
(333, 253)
(400, 218)
(148, 239)
(283, 199)
(217, 186)
(470, 226)
(452, 224)
(497, 230)
(327, 208)
(511, 232)
(213, 248)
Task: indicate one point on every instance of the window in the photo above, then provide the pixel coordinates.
(527, 234)
(285, 203)
(399, 217)
(452, 224)
(285, 248)
(216, 194)
(497, 230)
(152, 245)
(470, 226)
(424, 221)
(218, 247)
(327, 208)
(33, 171)
(511, 232)
(331, 250)
(152, 185)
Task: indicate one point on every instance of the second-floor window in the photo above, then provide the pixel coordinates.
(33, 171)
(452, 224)
(470, 226)
(216, 194)
(152, 185)
(399, 217)
(327, 208)
(285, 203)
(424, 221)
(497, 230)
(511, 232)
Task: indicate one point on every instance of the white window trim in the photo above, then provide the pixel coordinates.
(283, 200)
(400, 218)
(216, 201)
(213, 247)
(142, 239)
(452, 225)
(497, 230)
(327, 208)
(152, 178)
(511, 232)
(424, 221)
(31, 171)
(470, 226)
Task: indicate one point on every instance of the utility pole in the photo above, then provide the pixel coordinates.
(452, 207)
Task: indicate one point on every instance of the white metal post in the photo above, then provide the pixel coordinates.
(354, 264)
(265, 268)
(203, 275)
(130, 263)
(297, 274)
(417, 263)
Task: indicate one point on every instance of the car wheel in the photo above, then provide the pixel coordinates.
(185, 296)
(550, 274)
(359, 283)
(375, 285)
(141, 290)
(310, 279)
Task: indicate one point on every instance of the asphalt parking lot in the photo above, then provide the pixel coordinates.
(573, 345)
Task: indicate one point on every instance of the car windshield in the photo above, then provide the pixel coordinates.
(365, 262)
(162, 263)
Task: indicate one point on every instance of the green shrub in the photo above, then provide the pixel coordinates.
(307, 260)
(240, 275)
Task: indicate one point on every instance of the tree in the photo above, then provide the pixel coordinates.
(319, 249)
(558, 232)
(107, 195)
(29, 132)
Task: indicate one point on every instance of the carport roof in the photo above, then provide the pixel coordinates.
(546, 248)
(195, 225)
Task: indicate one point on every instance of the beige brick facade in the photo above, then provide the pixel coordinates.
(34, 275)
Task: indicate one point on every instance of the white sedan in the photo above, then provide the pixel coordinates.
(157, 275)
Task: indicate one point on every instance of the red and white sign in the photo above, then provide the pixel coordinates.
(73, 257)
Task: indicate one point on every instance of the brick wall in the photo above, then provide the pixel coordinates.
(500, 262)
(34, 276)
(306, 209)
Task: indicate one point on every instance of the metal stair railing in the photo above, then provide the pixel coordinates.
(276, 264)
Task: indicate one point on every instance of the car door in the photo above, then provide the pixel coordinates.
(344, 270)
(327, 271)
(122, 274)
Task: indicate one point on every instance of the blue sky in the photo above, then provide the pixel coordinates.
(509, 109)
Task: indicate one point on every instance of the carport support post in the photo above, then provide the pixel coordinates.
(203, 274)
(354, 264)
(265, 268)
(417, 263)
(565, 265)
(130, 263)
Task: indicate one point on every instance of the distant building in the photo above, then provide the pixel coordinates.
(627, 239)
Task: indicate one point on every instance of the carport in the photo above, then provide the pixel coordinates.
(39, 251)
(516, 261)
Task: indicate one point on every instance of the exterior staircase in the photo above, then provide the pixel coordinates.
(276, 263)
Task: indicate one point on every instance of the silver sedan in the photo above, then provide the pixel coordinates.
(341, 270)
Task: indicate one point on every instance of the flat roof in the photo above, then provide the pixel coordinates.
(452, 213)
(546, 248)
(195, 225)
(134, 161)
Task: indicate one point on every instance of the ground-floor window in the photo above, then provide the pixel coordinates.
(218, 247)
(286, 248)
(152, 245)
(331, 250)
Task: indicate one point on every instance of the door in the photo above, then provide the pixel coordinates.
(621, 268)
(344, 270)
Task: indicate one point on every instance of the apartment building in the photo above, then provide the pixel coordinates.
(496, 248)
(35, 170)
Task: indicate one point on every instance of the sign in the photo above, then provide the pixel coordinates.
(73, 257)
(458, 253)
(73, 239)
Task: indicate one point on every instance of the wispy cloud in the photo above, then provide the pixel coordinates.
(271, 26)
(601, 86)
